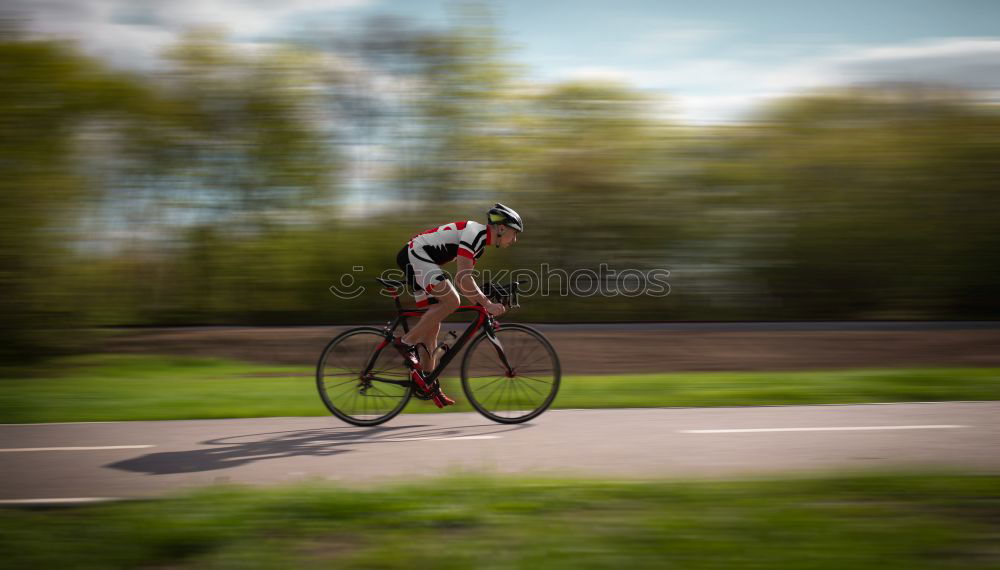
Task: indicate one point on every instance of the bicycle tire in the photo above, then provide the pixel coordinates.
(400, 393)
(482, 406)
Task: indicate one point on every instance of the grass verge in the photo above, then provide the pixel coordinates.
(857, 522)
(127, 387)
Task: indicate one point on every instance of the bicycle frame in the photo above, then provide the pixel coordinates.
(483, 318)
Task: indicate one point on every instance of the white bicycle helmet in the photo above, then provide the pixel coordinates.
(500, 214)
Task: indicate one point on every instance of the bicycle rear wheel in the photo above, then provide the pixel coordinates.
(516, 398)
(355, 392)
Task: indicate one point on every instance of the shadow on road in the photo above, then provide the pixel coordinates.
(243, 449)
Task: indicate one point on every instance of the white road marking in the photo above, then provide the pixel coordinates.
(457, 438)
(66, 501)
(96, 448)
(644, 408)
(749, 406)
(853, 428)
(59, 424)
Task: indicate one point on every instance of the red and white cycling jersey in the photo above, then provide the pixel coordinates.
(444, 243)
(422, 257)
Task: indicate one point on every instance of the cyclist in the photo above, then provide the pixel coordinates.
(421, 260)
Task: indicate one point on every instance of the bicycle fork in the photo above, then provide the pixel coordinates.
(491, 334)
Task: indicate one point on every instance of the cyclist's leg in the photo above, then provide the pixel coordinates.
(427, 328)
(427, 344)
(444, 296)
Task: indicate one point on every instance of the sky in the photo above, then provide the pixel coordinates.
(711, 61)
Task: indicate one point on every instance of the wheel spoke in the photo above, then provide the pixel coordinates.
(527, 386)
(509, 392)
(520, 369)
(535, 379)
(500, 395)
(378, 371)
(499, 388)
(333, 386)
(495, 380)
(350, 388)
(493, 356)
(530, 353)
(515, 397)
(490, 375)
(516, 348)
(528, 398)
(531, 362)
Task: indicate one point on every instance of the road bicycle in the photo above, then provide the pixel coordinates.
(510, 373)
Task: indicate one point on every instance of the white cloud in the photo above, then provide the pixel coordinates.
(712, 90)
(597, 73)
(130, 33)
(971, 63)
(712, 109)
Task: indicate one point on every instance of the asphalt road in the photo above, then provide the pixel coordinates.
(83, 462)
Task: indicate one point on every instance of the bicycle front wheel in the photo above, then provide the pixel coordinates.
(361, 381)
(511, 398)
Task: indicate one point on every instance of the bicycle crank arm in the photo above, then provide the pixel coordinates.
(438, 397)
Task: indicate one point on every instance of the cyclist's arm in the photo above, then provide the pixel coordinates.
(466, 284)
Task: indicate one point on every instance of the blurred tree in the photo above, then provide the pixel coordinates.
(869, 203)
(443, 101)
(46, 93)
(238, 149)
(464, 113)
(591, 151)
(251, 138)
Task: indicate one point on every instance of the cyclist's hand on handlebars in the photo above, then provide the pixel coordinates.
(495, 309)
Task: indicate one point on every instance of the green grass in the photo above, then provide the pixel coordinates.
(781, 388)
(121, 387)
(847, 522)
